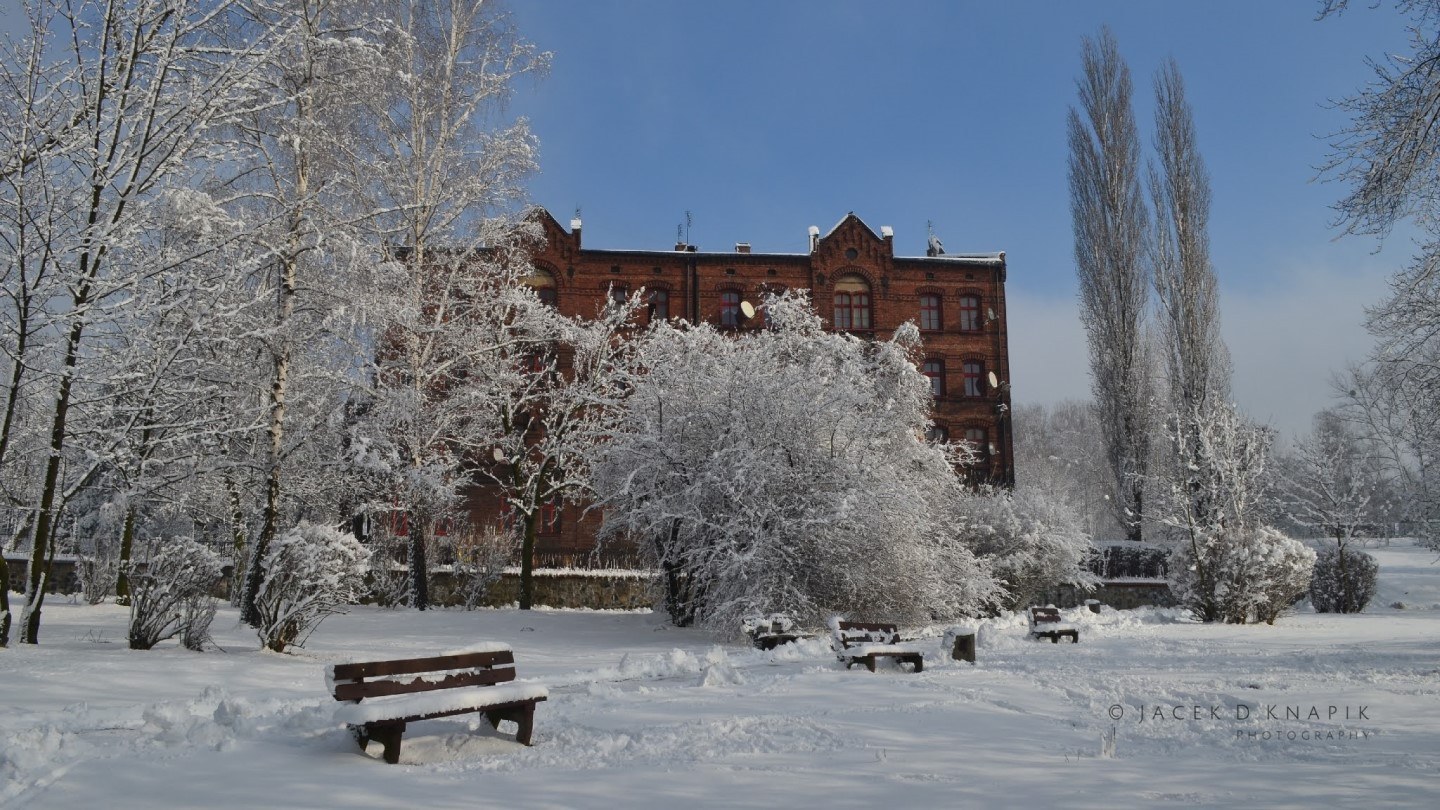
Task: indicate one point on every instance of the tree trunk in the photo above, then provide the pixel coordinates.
(45, 518)
(278, 393)
(4, 602)
(127, 544)
(419, 573)
(527, 559)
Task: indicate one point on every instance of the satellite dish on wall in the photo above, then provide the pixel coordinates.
(747, 309)
(994, 381)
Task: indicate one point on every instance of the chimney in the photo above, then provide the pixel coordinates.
(814, 237)
(681, 247)
(575, 230)
(742, 247)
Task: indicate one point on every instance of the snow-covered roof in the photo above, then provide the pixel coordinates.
(997, 257)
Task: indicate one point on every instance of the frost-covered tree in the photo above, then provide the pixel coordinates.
(1110, 220)
(1399, 432)
(785, 470)
(1032, 539)
(1058, 449)
(1331, 485)
(1196, 365)
(554, 394)
(1389, 156)
(442, 179)
(313, 263)
(310, 572)
(112, 106)
(1226, 564)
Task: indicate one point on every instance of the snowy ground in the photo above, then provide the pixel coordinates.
(645, 715)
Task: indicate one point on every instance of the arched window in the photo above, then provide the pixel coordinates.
(852, 303)
(935, 370)
(974, 372)
(937, 434)
(930, 313)
(543, 282)
(729, 309)
(970, 313)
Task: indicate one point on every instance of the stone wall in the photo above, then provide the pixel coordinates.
(1121, 595)
(598, 590)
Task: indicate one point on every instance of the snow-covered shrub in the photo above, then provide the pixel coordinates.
(1344, 581)
(1226, 564)
(1254, 575)
(1283, 572)
(480, 559)
(784, 470)
(1031, 538)
(310, 572)
(170, 593)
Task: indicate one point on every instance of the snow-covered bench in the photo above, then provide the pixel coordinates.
(1045, 623)
(862, 643)
(772, 630)
(475, 679)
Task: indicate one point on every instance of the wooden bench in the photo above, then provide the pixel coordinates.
(771, 631)
(1045, 623)
(862, 643)
(414, 689)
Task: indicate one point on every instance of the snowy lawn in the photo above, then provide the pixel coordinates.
(646, 715)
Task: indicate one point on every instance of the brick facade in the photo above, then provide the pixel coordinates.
(970, 289)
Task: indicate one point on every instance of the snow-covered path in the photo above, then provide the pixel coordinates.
(645, 715)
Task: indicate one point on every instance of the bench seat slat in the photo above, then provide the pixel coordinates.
(438, 704)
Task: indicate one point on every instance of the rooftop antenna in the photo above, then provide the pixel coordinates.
(689, 220)
(932, 242)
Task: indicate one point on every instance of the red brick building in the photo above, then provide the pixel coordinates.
(857, 283)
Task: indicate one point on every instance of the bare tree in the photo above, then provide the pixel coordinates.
(1196, 362)
(1110, 221)
(1329, 484)
(1390, 157)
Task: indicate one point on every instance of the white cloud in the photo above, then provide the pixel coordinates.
(1286, 341)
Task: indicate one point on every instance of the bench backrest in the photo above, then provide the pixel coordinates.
(1039, 615)
(379, 678)
(852, 633)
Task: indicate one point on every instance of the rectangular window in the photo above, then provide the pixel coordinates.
(974, 378)
(619, 294)
(930, 313)
(979, 439)
(935, 370)
(729, 309)
(658, 304)
(970, 313)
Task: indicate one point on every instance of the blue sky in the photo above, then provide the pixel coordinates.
(762, 118)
